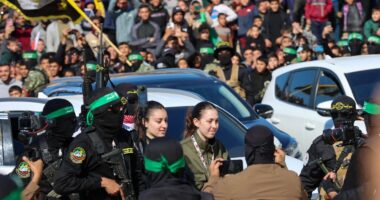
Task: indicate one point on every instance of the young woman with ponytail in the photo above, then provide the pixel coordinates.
(199, 145)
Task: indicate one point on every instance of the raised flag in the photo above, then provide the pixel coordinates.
(44, 9)
(100, 7)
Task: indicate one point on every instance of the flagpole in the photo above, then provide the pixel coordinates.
(80, 11)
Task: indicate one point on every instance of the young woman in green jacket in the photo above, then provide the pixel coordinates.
(199, 145)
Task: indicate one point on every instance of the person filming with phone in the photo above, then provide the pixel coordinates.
(266, 176)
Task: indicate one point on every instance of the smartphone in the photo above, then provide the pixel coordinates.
(231, 167)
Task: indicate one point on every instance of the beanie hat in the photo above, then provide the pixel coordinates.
(127, 92)
(176, 10)
(259, 145)
(55, 108)
(343, 103)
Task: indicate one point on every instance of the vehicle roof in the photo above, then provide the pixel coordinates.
(169, 75)
(339, 65)
(167, 97)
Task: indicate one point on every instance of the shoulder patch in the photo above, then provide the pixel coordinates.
(23, 170)
(77, 155)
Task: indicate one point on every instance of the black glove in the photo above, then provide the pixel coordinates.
(329, 186)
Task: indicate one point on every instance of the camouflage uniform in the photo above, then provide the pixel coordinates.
(145, 67)
(35, 80)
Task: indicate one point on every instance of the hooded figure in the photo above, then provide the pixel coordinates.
(89, 166)
(355, 43)
(61, 122)
(264, 178)
(130, 102)
(373, 45)
(343, 111)
(165, 165)
(105, 113)
(259, 146)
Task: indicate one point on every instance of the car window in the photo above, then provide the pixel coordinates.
(280, 85)
(328, 88)
(300, 88)
(362, 83)
(229, 133)
(223, 97)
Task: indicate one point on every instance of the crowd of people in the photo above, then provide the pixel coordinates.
(239, 41)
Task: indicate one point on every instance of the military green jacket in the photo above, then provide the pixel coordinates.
(197, 170)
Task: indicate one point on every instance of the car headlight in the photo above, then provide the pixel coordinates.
(293, 150)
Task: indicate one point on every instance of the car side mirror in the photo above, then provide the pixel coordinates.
(263, 110)
(324, 108)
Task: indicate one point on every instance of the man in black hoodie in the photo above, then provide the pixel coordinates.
(274, 21)
(257, 81)
(159, 14)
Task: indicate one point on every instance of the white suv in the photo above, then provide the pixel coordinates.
(296, 91)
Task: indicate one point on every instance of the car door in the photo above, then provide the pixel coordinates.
(294, 109)
(7, 157)
(327, 88)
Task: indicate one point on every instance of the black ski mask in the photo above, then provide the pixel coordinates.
(61, 120)
(105, 112)
(343, 111)
(225, 60)
(259, 145)
(129, 97)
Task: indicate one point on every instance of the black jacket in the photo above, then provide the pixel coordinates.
(82, 168)
(312, 174)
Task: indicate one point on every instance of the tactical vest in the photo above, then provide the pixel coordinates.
(343, 160)
(117, 159)
(52, 163)
(233, 82)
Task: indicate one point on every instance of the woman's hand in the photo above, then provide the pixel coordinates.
(214, 167)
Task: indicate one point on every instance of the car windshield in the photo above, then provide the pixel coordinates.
(230, 132)
(362, 83)
(223, 97)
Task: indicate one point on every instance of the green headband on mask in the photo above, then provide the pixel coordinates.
(374, 39)
(135, 57)
(342, 43)
(357, 36)
(290, 51)
(29, 55)
(206, 50)
(159, 166)
(109, 98)
(371, 108)
(60, 112)
(91, 66)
